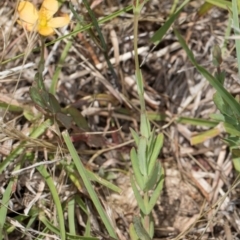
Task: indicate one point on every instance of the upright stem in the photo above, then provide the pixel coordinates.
(39, 78)
(139, 79)
(144, 120)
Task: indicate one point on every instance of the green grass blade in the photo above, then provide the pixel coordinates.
(19, 149)
(4, 206)
(203, 136)
(159, 34)
(197, 122)
(83, 173)
(49, 225)
(71, 217)
(48, 179)
(94, 177)
(212, 80)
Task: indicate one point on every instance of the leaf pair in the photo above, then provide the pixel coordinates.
(50, 104)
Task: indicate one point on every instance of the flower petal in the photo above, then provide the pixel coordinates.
(27, 12)
(45, 31)
(28, 26)
(49, 8)
(58, 22)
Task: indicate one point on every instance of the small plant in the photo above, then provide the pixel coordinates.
(147, 180)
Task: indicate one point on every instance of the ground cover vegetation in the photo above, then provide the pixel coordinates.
(119, 119)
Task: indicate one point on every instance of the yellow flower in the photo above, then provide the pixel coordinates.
(42, 20)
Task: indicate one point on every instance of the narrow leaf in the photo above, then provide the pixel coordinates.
(138, 196)
(135, 165)
(153, 177)
(140, 230)
(135, 136)
(141, 154)
(156, 193)
(156, 150)
(159, 34)
(213, 81)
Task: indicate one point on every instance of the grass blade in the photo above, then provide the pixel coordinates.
(159, 34)
(83, 173)
(212, 80)
(48, 179)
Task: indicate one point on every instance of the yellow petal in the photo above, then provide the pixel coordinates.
(58, 22)
(28, 26)
(49, 8)
(27, 12)
(46, 31)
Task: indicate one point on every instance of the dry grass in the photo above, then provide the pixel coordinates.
(200, 198)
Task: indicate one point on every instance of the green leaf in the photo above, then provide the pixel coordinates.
(48, 224)
(141, 154)
(221, 105)
(138, 196)
(54, 105)
(236, 163)
(135, 165)
(64, 119)
(132, 233)
(205, 8)
(156, 150)
(159, 34)
(197, 121)
(230, 100)
(220, 77)
(45, 98)
(229, 128)
(153, 177)
(217, 117)
(156, 193)
(232, 141)
(140, 230)
(94, 177)
(217, 55)
(37, 97)
(150, 145)
(38, 79)
(57, 203)
(135, 136)
(224, 118)
(78, 118)
(203, 136)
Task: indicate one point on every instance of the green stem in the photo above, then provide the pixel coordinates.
(139, 79)
(39, 78)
